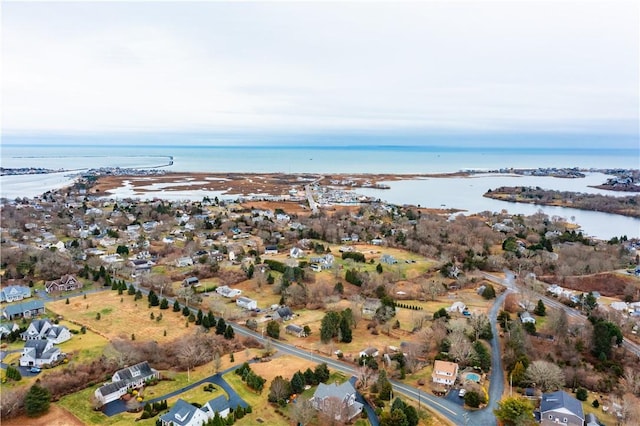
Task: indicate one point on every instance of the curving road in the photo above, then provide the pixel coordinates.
(509, 283)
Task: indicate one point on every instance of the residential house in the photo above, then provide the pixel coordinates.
(370, 307)
(191, 282)
(560, 408)
(377, 241)
(444, 372)
(325, 261)
(217, 256)
(620, 306)
(65, 283)
(225, 291)
(43, 329)
(184, 414)
(271, 250)
(457, 307)
(591, 420)
(128, 378)
(218, 405)
(283, 313)
(14, 293)
(39, 352)
(337, 400)
(388, 259)
(246, 303)
(527, 318)
(295, 330)
(296, 252)
(141, 266)
(28, 309)
(6, 329)
(370, 351)
(184, 261)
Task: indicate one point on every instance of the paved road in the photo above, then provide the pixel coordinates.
(509, 283)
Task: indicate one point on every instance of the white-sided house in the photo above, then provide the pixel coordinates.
(39, 352)
(184, 414)
(14, 293)
(444, 372)
(457, 307)
(246, 303)
(44, 329)
(560, 408)
(271, 250)
(226, 291)
(526, 317)
(184, 261)
(295, 330)
(620, 306)
(122, 380)
(6, 329)
(65, 283)
(28, 309)
(339, 400)
(218, 405)
(370, 351)
(296, 252)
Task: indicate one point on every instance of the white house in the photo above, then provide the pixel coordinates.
(39, 352)
(296, 252)
(370, 351)
(43, 329)
(620, 306)
(444, 372)
(225, 291)
(184, 414)
(184, 261)
(457, 307)
(128, 378)
(271, 250)
(526, 317)
(246, 303)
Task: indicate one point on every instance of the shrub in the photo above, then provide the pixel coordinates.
(581, 394)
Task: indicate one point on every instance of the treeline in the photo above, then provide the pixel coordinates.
(626, 206)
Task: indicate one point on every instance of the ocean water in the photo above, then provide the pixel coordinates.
(460, 193)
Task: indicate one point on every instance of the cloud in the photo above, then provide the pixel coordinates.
(433, 66)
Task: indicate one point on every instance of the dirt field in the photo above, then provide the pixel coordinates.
(608, 284)
(57, 416)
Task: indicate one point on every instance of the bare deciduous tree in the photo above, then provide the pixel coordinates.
(546, 375)
(302, 412)
(366, 376)
(461, 348)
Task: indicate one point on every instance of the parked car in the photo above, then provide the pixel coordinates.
(35, 370)
(462, 393)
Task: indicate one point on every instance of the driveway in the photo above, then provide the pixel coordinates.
(371, 414)
(119, 406)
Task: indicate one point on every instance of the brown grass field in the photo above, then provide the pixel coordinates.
(121, 319)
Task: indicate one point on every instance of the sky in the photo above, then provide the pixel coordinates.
(432, 67)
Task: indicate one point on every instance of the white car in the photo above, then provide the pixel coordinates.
(462, 393)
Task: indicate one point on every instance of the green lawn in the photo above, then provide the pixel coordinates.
(259, 404)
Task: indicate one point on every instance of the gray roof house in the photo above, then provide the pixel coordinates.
(122, 380)
(218, 405)
(191, 282)
(337, 400)
(283, 313)
(14, 293)
(65, 283)
(28, 309)
(183, 414)
(296, 330)
(560, 408)
(246, 303)
(38, 352)
(43, 329)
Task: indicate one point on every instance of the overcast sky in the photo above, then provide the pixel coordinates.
(425, 67)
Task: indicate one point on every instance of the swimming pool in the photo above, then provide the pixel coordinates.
(473, 377)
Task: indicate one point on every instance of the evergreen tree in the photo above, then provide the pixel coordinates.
(540, 309)
(297, 382)
(310, 377)
(37, 401)
(186, 311)
(176, 306)
(321, 372)
(273, 329)
(199, 317)
(164, 304)
(345, 330)
(221, 327)
(229, 333)
(132, 290)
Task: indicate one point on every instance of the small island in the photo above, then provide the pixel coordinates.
(626, 206)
